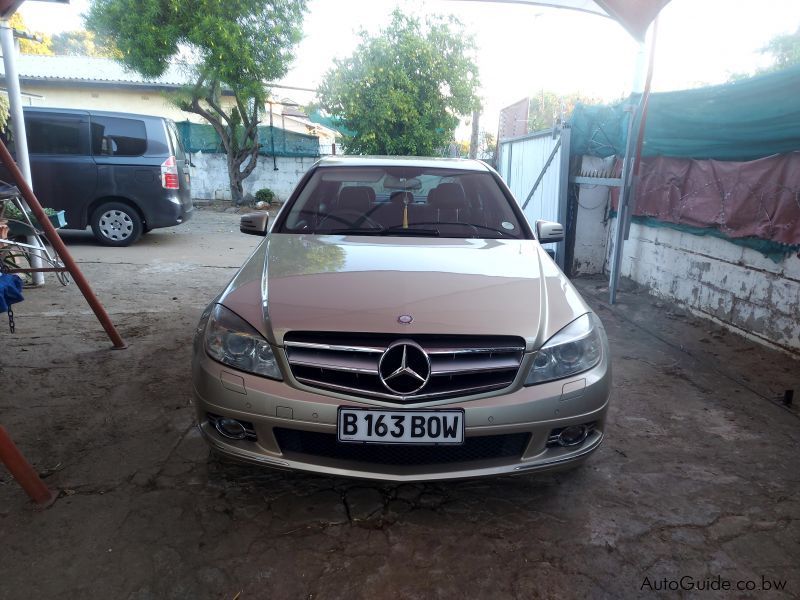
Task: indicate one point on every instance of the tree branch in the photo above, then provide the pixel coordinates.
(215, 122)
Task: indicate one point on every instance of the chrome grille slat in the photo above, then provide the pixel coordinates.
(353, 362)
(440, 367)
(433, 351)
(415, 397)
(336, 367)
(348, 363)
(335, 348)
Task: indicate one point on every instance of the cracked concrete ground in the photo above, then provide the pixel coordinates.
(698, 475)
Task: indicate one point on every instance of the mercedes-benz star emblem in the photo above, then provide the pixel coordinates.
(404, 368)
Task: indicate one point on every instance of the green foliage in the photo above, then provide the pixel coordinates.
(83, 43)
(265, 195)
(10, 211)
(487, 144)
(548, 107)
(237, 45)
(4, 108)
(402, 91)
(307, 255)
(785, 52)
(29, 46)
(240, 43)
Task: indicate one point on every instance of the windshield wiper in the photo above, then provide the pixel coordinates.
(399, 230)
(349, 232)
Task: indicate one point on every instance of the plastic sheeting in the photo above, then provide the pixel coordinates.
(755, 199)
(745, 120)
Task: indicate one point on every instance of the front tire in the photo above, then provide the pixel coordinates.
(116, 224)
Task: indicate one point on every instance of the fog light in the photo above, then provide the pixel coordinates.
(231, 429)
(573, 435)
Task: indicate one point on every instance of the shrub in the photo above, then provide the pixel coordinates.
(265, 195)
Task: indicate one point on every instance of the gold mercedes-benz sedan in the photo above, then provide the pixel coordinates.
(401, 321)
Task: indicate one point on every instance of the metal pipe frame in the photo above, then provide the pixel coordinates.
(60, 248)
(631, 165)
(18, 122)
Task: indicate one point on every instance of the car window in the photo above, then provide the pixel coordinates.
(118, 136)
(55, 134)
(402, 201)
(175, 140)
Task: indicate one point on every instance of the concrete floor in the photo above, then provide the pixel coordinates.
(698, 476)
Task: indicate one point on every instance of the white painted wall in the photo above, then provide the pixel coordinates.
(591, 227)
(210, 176)
(735, 286)
(114, 99)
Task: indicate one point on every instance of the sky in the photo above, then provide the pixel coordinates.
(525, 49)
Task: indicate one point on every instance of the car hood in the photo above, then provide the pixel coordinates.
(365, 283)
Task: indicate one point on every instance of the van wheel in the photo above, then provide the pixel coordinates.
(116, 224)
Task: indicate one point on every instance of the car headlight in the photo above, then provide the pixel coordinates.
(232, 341)
(576, 348)
(200, 330)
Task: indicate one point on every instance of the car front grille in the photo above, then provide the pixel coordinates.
(348, 363)
(325, 445)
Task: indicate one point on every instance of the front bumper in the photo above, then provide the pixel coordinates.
(269, 405)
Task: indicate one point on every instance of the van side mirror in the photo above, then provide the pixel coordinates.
(254, 223)
(549, 231)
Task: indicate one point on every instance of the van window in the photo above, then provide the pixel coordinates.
(54, 134)
(175, 140)
(116, 136)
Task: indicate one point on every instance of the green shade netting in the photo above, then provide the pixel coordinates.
(198, 137)
(743, 120)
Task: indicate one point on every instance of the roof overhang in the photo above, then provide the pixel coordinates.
(64, 83)
(634, 15)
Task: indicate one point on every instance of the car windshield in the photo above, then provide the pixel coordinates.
(402, 201)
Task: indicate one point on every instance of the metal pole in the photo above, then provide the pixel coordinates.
(23, 472)
(283, 126)
(272, 139)
(630, 173)
(58, 245)
(18, 123)
(563, 196)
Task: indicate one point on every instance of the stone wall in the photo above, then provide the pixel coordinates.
(735, 286)
(210, 176)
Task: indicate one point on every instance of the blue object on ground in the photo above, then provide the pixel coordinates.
(10, 291)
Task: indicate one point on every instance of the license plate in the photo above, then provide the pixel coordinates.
(401, 426)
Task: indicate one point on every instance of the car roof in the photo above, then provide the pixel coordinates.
(463, 164)
(79, 111)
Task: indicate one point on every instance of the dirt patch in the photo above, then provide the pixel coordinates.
(697, 475)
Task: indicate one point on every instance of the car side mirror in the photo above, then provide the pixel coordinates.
(548, 232)
(254, 223)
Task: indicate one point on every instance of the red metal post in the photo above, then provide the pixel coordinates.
(23, 472)
(58, 245)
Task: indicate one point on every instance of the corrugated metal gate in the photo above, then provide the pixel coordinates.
(536, 167)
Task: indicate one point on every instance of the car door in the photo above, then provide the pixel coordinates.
(63, 170)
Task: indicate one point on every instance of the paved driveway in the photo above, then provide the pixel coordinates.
(698, 477)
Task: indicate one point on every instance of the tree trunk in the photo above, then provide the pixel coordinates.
(235, 180)
(226, 127)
